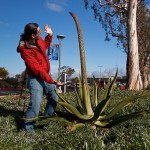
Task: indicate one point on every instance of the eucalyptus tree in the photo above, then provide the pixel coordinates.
(118, 17)
(143, 30)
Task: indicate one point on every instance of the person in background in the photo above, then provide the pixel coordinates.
(32, 49)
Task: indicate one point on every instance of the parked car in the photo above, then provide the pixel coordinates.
(121, 86)
(102, 84)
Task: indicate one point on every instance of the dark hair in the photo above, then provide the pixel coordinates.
(30, 28)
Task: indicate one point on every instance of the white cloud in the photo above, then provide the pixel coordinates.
(57, 6)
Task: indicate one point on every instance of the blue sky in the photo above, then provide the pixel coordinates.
(15, 14)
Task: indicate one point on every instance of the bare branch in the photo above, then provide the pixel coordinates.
(119, 8)
(111, 27)
(108, 3)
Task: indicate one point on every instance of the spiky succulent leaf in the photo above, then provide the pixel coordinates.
(80, 88)
(75, 111)
(107, 94)
(97, 110)
(78, 98)
(122, 104)
(103, 104)
(60, 97)
(78, 91)
(63, 100)
(86, 100)
(110, 86)
(47, 118)
(32, 119)
(101, 124)
(94, 92)
(127, 117)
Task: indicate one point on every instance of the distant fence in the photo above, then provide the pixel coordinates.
(10, 89)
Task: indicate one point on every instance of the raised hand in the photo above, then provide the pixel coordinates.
(48, 29)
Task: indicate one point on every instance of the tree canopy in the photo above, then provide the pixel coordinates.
(3, 73)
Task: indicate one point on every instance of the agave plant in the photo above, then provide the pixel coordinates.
(88, 109)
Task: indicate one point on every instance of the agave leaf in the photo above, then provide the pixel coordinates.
(93, 80)
(60, 97)
(127, 117)
(79, 96)
(75, 111)
(103, 104)
(80, 88)
(108, 92)
(36, 118)
(54, 119)
(79, 102)
(110, 87)
(94, 94)
(63, 100)
(92, 87)
(32, 119)
(98, 109)
(47, 118)
(101, 124)
(87, 102)
(122, 104)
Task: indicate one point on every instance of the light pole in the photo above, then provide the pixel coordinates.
(60, 38)
(100, 70)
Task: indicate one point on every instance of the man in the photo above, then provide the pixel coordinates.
(32, 49)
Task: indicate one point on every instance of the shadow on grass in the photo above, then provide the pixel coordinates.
(68, 116)
(18, 114)
(15, 113)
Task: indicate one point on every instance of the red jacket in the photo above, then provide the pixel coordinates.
(36, 59)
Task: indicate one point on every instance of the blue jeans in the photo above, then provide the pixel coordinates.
(38, 87)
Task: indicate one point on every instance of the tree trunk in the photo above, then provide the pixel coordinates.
(134, 78)
(143, 67)
(145, 77)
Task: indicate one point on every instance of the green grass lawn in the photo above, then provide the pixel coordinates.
(52, 134)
